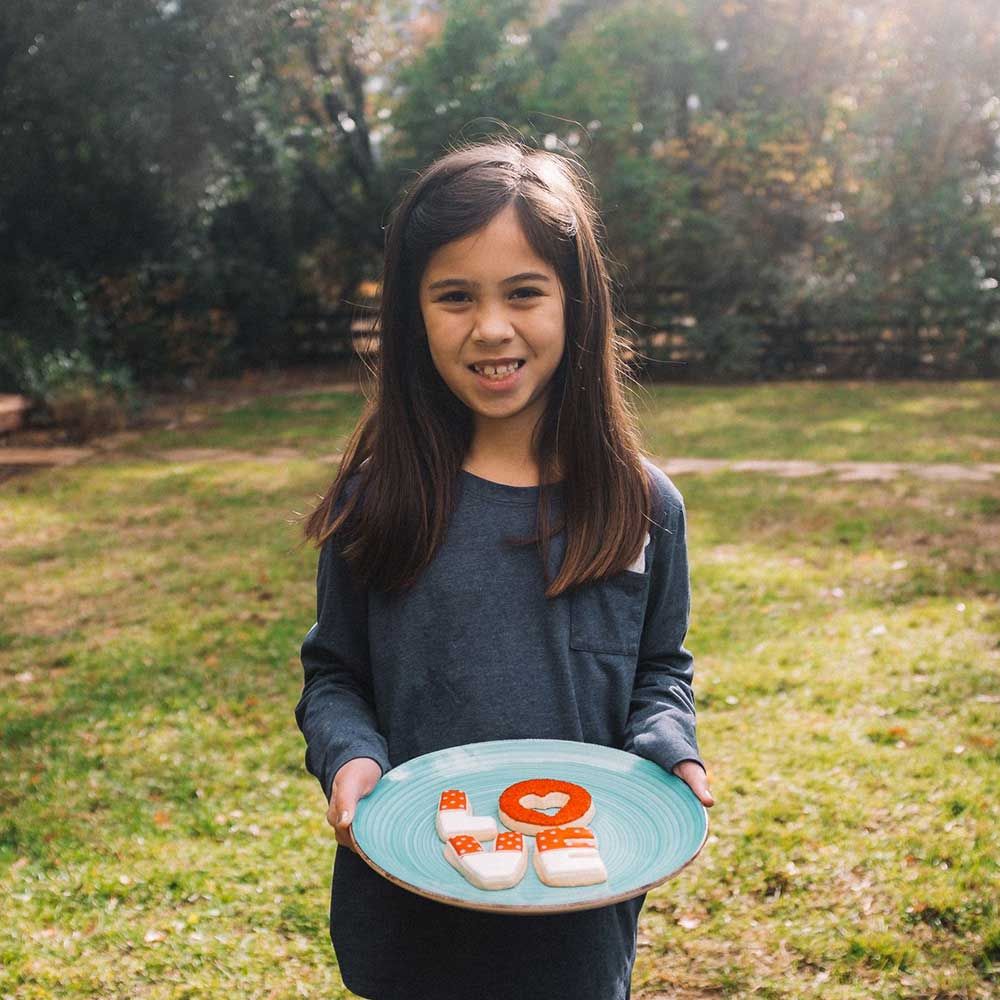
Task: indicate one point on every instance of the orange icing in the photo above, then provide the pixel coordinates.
(509, 842)
(567, 836)
(578, 804)
(464, 844)
(452, 798)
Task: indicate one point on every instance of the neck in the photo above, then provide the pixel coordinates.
(502, 456)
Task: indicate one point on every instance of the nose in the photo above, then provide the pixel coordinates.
(493, 325)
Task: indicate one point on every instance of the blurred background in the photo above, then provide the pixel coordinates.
(801, 201)
(796, 188)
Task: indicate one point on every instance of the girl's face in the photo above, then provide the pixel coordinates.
(494, 315)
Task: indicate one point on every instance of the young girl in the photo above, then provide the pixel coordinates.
(497, 561)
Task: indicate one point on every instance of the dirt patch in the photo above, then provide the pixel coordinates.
(43, 456)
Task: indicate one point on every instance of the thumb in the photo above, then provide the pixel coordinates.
(696, 777)
(353, 781)
(704, 793)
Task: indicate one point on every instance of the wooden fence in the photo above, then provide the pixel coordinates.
(673, 350)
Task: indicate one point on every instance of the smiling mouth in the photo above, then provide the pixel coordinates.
(496, 371)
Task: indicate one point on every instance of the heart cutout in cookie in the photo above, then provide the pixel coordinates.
(522, 803)
(550, 804)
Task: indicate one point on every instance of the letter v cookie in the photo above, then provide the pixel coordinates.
(455, 818)
(501, 868)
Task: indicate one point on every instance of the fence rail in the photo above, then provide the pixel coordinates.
(676, 349)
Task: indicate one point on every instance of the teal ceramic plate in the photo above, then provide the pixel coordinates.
(648, 823)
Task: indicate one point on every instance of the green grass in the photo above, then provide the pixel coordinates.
(886, 421)
(159, 836)
(826, 422)
(317, 423)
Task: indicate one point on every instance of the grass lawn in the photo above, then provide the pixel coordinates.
(160, 838)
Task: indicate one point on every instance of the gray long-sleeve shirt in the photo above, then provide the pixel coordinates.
(475, 651)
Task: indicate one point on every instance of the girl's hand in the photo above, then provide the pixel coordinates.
(693, 775)
(353, 781)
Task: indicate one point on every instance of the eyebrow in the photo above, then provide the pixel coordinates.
(463, 283)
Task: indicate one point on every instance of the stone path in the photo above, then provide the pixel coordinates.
(844, 471)
(789, 469)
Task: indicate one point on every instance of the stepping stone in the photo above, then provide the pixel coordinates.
(679, 466)
(789, 468)
(946, 471)
(852, 472)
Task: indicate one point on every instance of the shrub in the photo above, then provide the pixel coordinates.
(726, 344)
(164, 322)
(75, 394)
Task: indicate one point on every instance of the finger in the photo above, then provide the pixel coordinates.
(340, 819)
(343, 812)
(703, 792)
(331, 812)
(346, 839)
(343, 809)
(353, 782)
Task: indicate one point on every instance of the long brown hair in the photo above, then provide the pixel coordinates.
(410, 442)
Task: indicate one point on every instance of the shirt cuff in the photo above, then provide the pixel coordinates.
(334, 764)
(667, 753)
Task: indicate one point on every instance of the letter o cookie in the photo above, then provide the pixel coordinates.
(520, 805)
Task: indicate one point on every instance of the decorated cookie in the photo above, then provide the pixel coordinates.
(455, 818)
(569, 856)
(521, 805)
(500, 868)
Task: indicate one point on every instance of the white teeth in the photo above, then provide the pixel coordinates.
(496, 371)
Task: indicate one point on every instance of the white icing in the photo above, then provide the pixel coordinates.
(455, 822)
(490, 869)
(564, 866)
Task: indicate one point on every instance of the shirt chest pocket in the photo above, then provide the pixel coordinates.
(607, 616)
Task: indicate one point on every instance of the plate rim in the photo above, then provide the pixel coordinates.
(530, 909)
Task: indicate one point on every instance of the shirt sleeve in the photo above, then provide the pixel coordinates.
(661, 722)
(336, 711)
